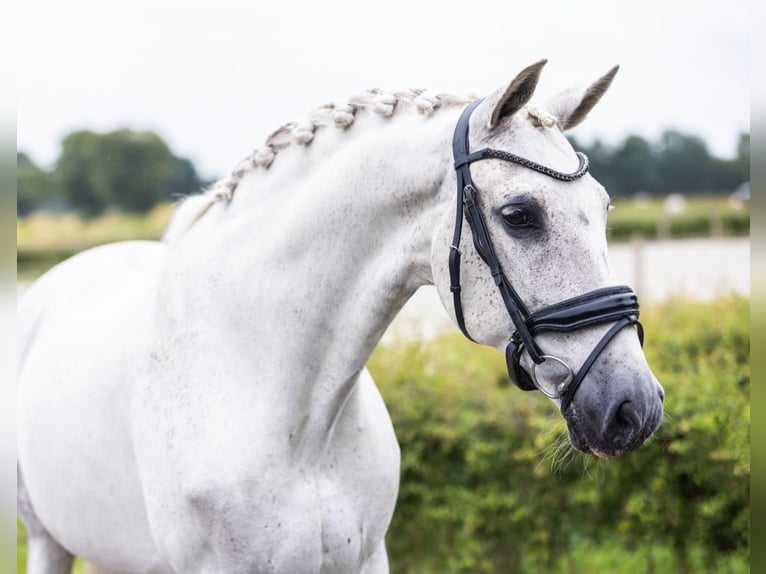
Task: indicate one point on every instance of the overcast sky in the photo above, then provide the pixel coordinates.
(214, 78)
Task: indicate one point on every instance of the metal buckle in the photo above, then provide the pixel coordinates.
(561, 387)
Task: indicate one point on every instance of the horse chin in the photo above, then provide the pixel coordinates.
(585, 440)
(579, 443)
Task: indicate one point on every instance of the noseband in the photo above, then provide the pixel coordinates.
(618, 305)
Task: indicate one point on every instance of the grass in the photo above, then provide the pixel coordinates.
(68, 231)
(702, 216)
(44, 239)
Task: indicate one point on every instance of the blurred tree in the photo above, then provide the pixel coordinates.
(726, 175)
(129, 170)
(80, 173)
(677, 162)
(138, 169)
(33, 185)
(635, 167)
(684, 162)
(600, 158)
(185, 180)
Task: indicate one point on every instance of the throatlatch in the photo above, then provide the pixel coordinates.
(617, 304)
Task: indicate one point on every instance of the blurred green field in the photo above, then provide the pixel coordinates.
(702, 216)
(45, 239)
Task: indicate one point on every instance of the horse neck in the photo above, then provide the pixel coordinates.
(318, 259)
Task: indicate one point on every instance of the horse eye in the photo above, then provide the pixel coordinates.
(517, 218)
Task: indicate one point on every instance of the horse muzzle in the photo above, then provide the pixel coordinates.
(613, 416)
(551, 375)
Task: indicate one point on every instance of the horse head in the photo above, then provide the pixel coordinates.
(531, 275)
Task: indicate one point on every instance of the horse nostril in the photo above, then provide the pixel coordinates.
(624, 425)
(661, 393)
(625, 417)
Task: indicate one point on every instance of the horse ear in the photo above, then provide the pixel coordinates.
(570, 107)
(507, 102)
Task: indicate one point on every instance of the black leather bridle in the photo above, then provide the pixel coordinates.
(616, 304)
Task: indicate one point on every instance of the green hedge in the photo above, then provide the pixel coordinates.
(489, 483)
(678, 227)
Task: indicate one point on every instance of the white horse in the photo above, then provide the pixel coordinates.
(201, 404)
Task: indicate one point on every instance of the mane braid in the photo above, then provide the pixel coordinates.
(340, 115)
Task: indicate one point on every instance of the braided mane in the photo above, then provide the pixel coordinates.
(339, 115)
